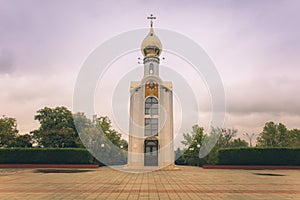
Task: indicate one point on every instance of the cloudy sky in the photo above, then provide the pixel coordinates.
(254, 45)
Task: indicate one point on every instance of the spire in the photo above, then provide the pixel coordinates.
(151, 23)
(151, 45)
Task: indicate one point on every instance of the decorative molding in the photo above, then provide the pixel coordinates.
(151, 137)
(151, 59)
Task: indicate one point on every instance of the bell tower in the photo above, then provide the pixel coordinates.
(151, 111)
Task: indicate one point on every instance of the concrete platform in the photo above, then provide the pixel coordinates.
(187, 183)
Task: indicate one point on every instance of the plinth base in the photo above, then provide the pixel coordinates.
(141, 169)
(170, 167)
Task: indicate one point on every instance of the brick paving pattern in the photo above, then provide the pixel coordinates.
(188, 183)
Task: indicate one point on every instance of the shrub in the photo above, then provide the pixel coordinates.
(45, 156)
(259, 156)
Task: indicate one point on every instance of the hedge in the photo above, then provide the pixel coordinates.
(259, 156)
(45, 156)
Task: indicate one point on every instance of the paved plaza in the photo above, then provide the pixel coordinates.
(188, 183)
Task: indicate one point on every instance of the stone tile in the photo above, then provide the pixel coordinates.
(188, 183)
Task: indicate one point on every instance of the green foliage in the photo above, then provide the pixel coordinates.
(294, 138)
(194, 139)
(103, 149)
(9, 136)
(238, 143)
(124, 145)
(226, 140)
(101, 139)
(81, 121)
(273, 135)
(45, 156)
(55, 118)
(59, 138)
(188, 138)
(105, 124)
(22, 141)
(226, 136)
(277, 135)
(259, 156)
(8, 131)
(57, 128)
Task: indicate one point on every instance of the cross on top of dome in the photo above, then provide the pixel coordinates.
(151, 45)
(151, 18)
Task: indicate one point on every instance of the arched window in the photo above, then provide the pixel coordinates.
(151, 106)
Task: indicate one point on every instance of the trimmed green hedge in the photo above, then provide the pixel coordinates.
(45, 156)
(259, 156)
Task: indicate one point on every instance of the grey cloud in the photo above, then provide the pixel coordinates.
(50, 39)
(7, 62)
(265, 95)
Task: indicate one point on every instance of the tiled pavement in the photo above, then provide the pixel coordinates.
(188, 183)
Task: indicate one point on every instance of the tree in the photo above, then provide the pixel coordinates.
(238, 143)
(105, 124)
(81, 121)
(104, 141)
(192, 142)
(101, 139)
(57, 128)
(8, 131)
(22, 141)
(225, 139)
(9, 136)
(55, 118)
(59, 138)
(124, 144)
(226, 136)
(294, 138)
(86, 128)
(194, 138)
(273, 135)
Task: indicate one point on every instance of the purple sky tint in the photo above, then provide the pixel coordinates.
(255, 46)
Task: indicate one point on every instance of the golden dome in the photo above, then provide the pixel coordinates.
(151, 45)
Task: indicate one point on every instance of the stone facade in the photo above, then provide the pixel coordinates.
(151, 112)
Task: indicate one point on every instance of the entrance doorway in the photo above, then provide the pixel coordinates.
(151, 153)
